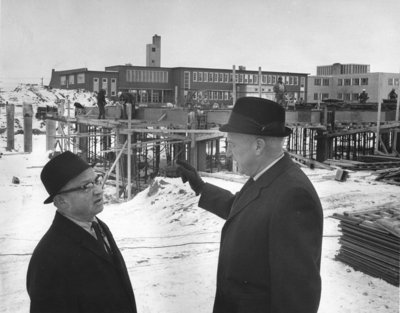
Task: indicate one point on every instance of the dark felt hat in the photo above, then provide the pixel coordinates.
(257, 116)
(59, 171)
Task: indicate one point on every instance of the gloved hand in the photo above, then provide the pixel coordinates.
(189, 173)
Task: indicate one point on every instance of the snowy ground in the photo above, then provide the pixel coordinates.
(170, 245)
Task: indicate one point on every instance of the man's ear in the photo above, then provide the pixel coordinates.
(260, 145)
(61, 202)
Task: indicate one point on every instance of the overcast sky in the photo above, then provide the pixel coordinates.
(279, 35)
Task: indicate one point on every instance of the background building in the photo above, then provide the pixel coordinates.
(346, 81)
(82, 78)
(182, 86)
(153, 52)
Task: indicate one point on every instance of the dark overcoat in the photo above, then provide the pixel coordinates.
(70, 272)
(270, 250)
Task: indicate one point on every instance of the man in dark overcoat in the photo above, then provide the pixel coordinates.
(77, 266)
(270, 251)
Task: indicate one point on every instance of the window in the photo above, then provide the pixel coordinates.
(250, 79)
(220, 95)
(396, 81)
(226, 95)
(364, 81)
(186, 80)
(63, 80)
(230, 77)
(216, 77)
(347, 96)
(302, 81)
(347, 81)
(356, 81)
(325, 82)
(255, 79)
(200, 77)
(340, 96)
(205, 76)
(315, 96)
(80, 79)
(269, 79)
(236, 78)
(221, 77)
(273, 79)
(390, 81)
(354, 96)
(226, 77)
(195, 76)
(340, 82)
(317, 81)
(215, 95)
(264, 79)
(296, 80)
(240, 78)
(153, 49)
(290, 80)
(210, 77)
(325, 96)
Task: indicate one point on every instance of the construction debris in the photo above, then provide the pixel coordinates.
(370, 242)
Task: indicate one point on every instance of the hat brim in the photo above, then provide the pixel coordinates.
(232, 129)
(49, 199)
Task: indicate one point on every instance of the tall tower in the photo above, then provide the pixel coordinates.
(153, 52)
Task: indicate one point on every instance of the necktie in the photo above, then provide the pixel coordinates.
(99, 235)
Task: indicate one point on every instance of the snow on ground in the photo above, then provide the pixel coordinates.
(170, 245)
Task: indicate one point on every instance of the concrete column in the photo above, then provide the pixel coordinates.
(234, 85)
(201, 156)
(51, 126)
(28, 114)
(10, 109)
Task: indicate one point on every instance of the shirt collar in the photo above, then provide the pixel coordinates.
(85, 225)
(257, 176)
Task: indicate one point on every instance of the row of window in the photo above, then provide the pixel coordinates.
(352, 81)
(146, 76)
(80, 79)
(214, 77)
(340, 96)
(393, 81)
(213, 95)
(321, 82)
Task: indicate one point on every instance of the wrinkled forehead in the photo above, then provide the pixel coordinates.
(86, 176)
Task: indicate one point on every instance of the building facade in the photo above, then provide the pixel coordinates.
(182, 86)
(82, 78)
(345, 83)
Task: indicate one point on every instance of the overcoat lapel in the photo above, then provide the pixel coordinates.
(253, 192)
(81, 236)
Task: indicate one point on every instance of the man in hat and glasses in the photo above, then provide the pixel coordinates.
(77, 266)
(270, 252)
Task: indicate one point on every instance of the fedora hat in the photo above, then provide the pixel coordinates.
(59, 171)
(257, 116)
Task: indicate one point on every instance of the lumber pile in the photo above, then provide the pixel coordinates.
(370, 242)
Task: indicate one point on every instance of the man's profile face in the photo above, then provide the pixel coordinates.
(83, 205)
(242, 149)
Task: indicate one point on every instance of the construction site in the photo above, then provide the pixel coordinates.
(131, 152)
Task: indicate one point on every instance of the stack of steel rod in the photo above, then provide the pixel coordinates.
(370, 242)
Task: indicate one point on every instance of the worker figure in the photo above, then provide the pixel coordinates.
(280, 90)
(393, 95)
(363, 97)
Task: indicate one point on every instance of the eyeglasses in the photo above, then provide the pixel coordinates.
(98, 181)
